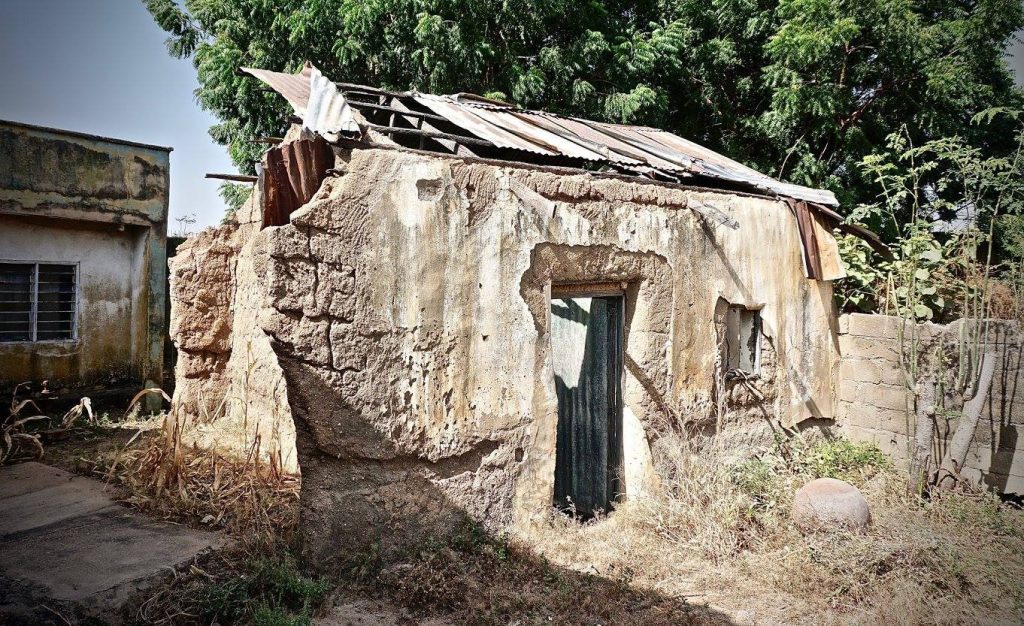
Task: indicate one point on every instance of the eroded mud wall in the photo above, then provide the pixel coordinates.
(227, 379)
(202, 279)
(408, 306)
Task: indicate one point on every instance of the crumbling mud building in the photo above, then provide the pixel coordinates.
(439, 306)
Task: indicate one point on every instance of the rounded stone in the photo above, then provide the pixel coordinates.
(830, 504)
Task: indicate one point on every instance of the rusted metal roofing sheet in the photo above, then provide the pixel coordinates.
(472, 120)
(643, 151)
(617, 151)
(293, 175)
(592, 150)
(562, 143)
(726, 167)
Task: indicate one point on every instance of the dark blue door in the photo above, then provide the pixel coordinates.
(586, 346)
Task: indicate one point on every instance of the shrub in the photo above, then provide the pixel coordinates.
(842, 459)
(267, 592)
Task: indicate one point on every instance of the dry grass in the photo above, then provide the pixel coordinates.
(232, 586)
(477, 578)
(721, 533)
(20, 435)
(251, 498)
(715, 533)
(254, 579)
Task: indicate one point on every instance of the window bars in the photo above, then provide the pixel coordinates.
(38, 302)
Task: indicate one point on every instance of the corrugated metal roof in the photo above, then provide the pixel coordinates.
(643, 151)
(476, 121)
(327, 111)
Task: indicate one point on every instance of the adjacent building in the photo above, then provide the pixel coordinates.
(83, 234)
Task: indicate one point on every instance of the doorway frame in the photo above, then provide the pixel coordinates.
(616, 452)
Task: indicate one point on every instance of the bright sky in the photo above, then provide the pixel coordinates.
(100, 66)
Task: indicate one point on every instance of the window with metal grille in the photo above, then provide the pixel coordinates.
(38, 302)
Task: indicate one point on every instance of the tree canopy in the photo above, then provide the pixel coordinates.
(803, 90)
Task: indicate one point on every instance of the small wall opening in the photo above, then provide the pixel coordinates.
(741, 344)
(587, 358)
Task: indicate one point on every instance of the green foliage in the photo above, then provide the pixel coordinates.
(268, 616)
(1009, 233)
(802, 89)
(865, 274)
(767, 479)
(952, 213)
(761, 480)
(843, 459)
(234, 195)
(271, 592)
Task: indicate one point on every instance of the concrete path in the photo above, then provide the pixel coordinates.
(65, 543)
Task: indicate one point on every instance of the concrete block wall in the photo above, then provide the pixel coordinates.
(874, 403)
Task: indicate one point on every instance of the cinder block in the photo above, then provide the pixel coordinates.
(858, 434)
(1014, 484)
(893, 444)
(1002, 409)
(1004, 483)
(847, 391)
(886, 326)
(1000, 462)
(844, 323)
(871, 371)
(883, 396)
(900, 422)
(855, 347)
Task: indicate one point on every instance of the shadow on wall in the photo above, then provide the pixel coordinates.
(373, 513)
(1005, 411)
(170, 350)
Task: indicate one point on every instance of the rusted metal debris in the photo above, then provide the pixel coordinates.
(292, 175)
(808, 238)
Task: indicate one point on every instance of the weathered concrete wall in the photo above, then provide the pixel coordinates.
(103, 352)
(101, 203)
(409, 309)
(874, 404)
(227, 378)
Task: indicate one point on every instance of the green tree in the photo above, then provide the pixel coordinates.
(801, 89)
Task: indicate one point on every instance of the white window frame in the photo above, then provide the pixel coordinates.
(33, 321)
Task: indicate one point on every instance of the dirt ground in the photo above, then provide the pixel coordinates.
(716, 548)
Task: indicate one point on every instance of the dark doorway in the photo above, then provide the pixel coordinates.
(586, 348)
